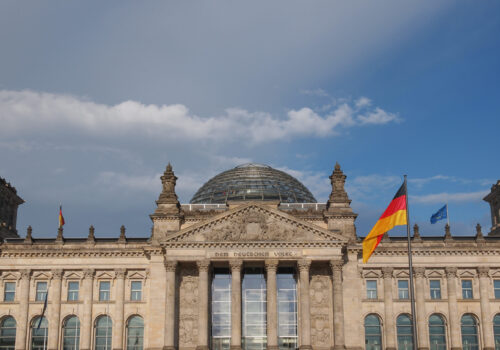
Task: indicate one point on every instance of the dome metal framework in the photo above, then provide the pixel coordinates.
(253, 182)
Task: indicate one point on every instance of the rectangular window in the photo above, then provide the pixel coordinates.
(41, 291)
(136, 290)
(9, 291)
(466, 289)
(104, 288)
(435, 289)
(371, 289)
(403, 289)
(73, 290)
(496, 287)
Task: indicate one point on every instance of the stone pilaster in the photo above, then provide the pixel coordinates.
(422, 329)
(22, 320)
(453, 319)
(54, 314)
(87, 296)
(170, 266)
(119, 304)
(272, 305)
(338, 304)
(235, 304)
(155, 299)
(203, 267)
(388, 306)
(484, 286)
(305, 315)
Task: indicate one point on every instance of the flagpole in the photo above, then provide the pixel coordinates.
(410, 265)
(447, 216)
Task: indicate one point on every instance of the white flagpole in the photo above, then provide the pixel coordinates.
(447, 216)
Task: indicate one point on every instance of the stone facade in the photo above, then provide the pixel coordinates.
(166, 280)
(9, 201)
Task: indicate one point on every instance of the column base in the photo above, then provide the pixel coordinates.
(202, 347)
(305, 347)
(169, 348)
(338, 347)
(273, 347)
(235, 347)
(422, 348)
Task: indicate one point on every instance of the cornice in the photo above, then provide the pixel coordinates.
(253, 244)
(71, 253)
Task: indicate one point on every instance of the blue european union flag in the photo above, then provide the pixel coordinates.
(439, 215)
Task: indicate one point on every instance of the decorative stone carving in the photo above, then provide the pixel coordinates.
(170, 265)
(271, 264)
(387, 272)
(419, 271)
(416, 234)
(451, 271)
(203, 265)
(168, 181)
(25, 274)
(88, 273)
(483, 271)
(447, 233)
(304, 264)
(122, 238)
(120, 273)
(235, 265)
(338, 194)
(188, 307)
(60, 237)
(91, 237)
(29, 238)
(57, 274)
(320, 306)
(479, 233)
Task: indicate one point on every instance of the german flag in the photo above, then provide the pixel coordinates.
(61, 217)
(394, 215)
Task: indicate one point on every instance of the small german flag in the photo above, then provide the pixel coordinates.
(394, 215)
(61, 217)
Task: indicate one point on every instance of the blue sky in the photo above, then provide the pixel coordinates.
(96, 98)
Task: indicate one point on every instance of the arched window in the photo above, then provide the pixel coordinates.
(437, 332)
(405, 333)
(373, 333)
(103, 333)
(496, 331)
(469, 333)
(135, 333)
(8, 333)
(39, 333)
(71, 333)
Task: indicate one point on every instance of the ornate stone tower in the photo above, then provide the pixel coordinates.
(168, 215)
(494, 199)
(338, 213)
(9, 201)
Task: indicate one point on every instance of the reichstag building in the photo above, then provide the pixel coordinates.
(253, 262)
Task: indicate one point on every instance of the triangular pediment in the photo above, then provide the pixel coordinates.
(466, 274)
(136, 275)
(434, 274)
(104, 275)
(72, 275)
(9, 276)
(254, 222)
(41, 275)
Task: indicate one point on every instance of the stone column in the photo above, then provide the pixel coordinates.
(54, 314)
(235, 304)
(338, 304)
(451, 283)
(22, 319)
(422, 329)
(272, 305)
(203, 266)
(170, 266)
(305, 314)
(484, 287)
(87, 295)
(389, 328)
(119, 304)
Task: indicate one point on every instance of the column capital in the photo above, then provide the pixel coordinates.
(235, 265)
(57, 274)
(25, 274)
(88, 273)
(203, 265)
(170, 265)
(336, 265)
(451, 271)
(120, 273)
(304, 265)
(483, 271)
(419, 271)
(271, 264)
(387, 271)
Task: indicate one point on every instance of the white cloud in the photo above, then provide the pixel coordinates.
(316, 182)
(444, 197)
(25, 113)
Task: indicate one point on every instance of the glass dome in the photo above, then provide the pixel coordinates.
(253, 182)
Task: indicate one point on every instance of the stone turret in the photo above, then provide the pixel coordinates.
(9, 201)
(338, 213)
(168, 215)
(493, 198)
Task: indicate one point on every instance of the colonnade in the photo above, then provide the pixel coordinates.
(271, 266)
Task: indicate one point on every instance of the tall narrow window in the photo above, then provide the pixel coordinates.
(496, 287)
(221, 309)
(287, 308)
(41, 291)
(496, 331)
(405, 333)
(9, 291)
(403, 289)
(71, 333)
(373, 333)
(8, 333)
(466, 289)
(469, 332)
(437, 332)
(73, 290)
(435, 287)
(254, 309)
(135, 333)
(104, 288)
(39, 333)
(136, 290)
(371, 289)
(103, 333)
